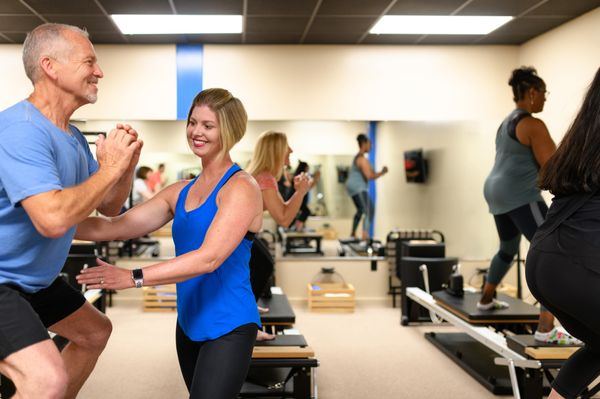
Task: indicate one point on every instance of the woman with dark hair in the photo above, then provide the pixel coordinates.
(304, 212)
(357, 185)
(523, 145)
(563, 263)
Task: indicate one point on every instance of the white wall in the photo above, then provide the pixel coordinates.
(14, 85)
(300, 82)
(139, 82)
(567, 59)
(363, 82)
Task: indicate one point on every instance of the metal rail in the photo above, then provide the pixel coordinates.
(485, 335)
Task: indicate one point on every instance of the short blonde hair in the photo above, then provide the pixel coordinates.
(269, 154)
(46, 39)
(231, 115)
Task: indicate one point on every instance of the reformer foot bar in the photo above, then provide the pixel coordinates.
(484, 335)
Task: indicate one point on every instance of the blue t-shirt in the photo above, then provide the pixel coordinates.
(35, 157)
(213, 304)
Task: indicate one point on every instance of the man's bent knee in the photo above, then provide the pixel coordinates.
(87, 328)
(37, 371)
(97, 338)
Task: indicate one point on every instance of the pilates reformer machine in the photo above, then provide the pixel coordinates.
(282, 368)
(280, 315)
(504, 362)
(409, 242)
(285, 366)
(299, 242)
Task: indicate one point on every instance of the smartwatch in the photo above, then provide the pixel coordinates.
(138, 277)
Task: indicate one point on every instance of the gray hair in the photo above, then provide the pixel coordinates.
(47, 39)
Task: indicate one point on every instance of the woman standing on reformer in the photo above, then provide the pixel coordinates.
(523, 145)
(563, 264)
(357, 185)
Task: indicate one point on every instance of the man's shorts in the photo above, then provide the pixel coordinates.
(25, 317)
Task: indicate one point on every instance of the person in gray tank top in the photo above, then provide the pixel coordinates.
(523, 145)
(357, 186)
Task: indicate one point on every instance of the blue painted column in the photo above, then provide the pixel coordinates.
(372, 183)
(189, 61)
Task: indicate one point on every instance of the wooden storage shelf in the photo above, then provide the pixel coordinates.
(161, 298)
(334, 298)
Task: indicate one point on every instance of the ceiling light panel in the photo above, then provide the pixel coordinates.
(177, 24)
(438, 25)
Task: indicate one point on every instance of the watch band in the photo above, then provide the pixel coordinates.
(137, 275)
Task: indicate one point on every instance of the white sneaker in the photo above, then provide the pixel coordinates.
(557, 335)
(494, 305)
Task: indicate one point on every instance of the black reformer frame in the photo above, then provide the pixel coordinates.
(281, 377)
(280, 315)
(474, 357)
(393, 253)
(480, 350)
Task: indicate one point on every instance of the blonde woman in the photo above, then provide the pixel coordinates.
(214, 220)
(271, 154)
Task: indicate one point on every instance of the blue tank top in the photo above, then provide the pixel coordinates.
(213, 304)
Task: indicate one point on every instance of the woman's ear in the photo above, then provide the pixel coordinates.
(531, 93)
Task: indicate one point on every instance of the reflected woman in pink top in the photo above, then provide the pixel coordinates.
(271, 154)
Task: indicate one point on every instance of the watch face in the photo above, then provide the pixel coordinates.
(137, 274)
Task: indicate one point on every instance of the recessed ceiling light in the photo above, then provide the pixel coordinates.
(438, 25)
(130, 24)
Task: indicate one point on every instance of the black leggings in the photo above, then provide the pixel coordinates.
(216, 369)
(522, 220)
(569, 290)
(364, 206)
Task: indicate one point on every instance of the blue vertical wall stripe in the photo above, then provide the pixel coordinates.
(189, 59)
(372, 159)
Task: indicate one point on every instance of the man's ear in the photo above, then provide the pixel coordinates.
(48, 67)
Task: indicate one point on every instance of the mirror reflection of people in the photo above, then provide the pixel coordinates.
(523, 145)
(49, 183)
(157, 180)
(271, 154)
(300, 221)
(285, 184)
(214, 220)
(563, 263)
(141, 190)
(357, 186)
